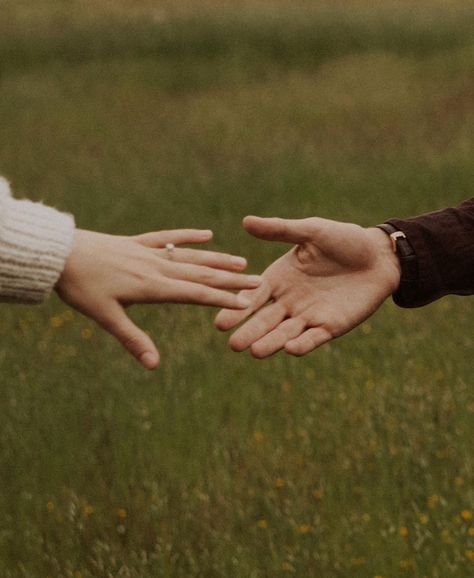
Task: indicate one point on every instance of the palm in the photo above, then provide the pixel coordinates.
(327, 284)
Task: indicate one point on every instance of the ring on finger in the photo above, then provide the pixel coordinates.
(170, 250)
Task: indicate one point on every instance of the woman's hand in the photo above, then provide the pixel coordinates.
(104, 274)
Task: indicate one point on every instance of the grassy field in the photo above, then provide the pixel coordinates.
(354, 462)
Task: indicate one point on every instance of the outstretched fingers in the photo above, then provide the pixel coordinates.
(257, 298)
(212, 259)
(179, 291)
(275, 340)
(159, 239)
(264, 321)
(308, 341)
(213, 277)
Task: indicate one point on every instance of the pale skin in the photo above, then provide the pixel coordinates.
(105, 274)
(335, 276)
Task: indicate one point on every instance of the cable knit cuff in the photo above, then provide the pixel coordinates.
(35, 241)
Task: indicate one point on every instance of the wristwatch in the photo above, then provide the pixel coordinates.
(407, 289)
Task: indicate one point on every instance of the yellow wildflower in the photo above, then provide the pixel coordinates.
(56, 321)
(466, 515)
(88, 510)
(280, 483)
(68, 315)
(469, 555)
(358, 561)
(433, 501)
(86, 333)
(305, 529)
(262, 524)
(424, 519)
(122, 513)
(458, 482)
(287, 567)
(318, 494)
(366, 518)
(403, 532)
(50, 506)
(407, 564)
(471, 531)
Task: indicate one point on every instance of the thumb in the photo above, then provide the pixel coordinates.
(134, 339)
(274, 229)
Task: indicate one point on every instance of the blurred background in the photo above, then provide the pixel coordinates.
(354, 462)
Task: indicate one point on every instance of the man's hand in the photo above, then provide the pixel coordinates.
(105, 274)
(335, 277)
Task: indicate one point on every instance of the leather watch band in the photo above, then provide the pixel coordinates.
(408, 261)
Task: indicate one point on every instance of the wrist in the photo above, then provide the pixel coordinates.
(387, 261)
(73, 261)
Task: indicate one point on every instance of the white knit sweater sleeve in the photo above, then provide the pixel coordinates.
(35, 241)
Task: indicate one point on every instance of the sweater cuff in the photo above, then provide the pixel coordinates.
(35, 241)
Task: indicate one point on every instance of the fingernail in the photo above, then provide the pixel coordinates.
(243, 301)
(255, 280)
(149, 360)
(239, 262)
(207, 233)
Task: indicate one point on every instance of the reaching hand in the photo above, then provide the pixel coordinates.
(105, 274)
(335, 277)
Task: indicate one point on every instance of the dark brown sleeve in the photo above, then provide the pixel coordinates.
(444, 245)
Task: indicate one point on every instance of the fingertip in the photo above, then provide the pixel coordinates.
(249, 219)
(243, 302)
(225, 320)
(293, 348)
(239, 263)
(204, 235)
(258, 353)
(219, 323)
(236, 345)
(255, 281)
(150, 360)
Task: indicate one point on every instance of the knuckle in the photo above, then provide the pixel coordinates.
(208, 277)
(236, 343)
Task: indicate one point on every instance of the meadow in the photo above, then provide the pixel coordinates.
(353, 462)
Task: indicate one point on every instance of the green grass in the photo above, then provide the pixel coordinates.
(145, 115)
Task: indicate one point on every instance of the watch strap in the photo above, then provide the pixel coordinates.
(408, 263)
